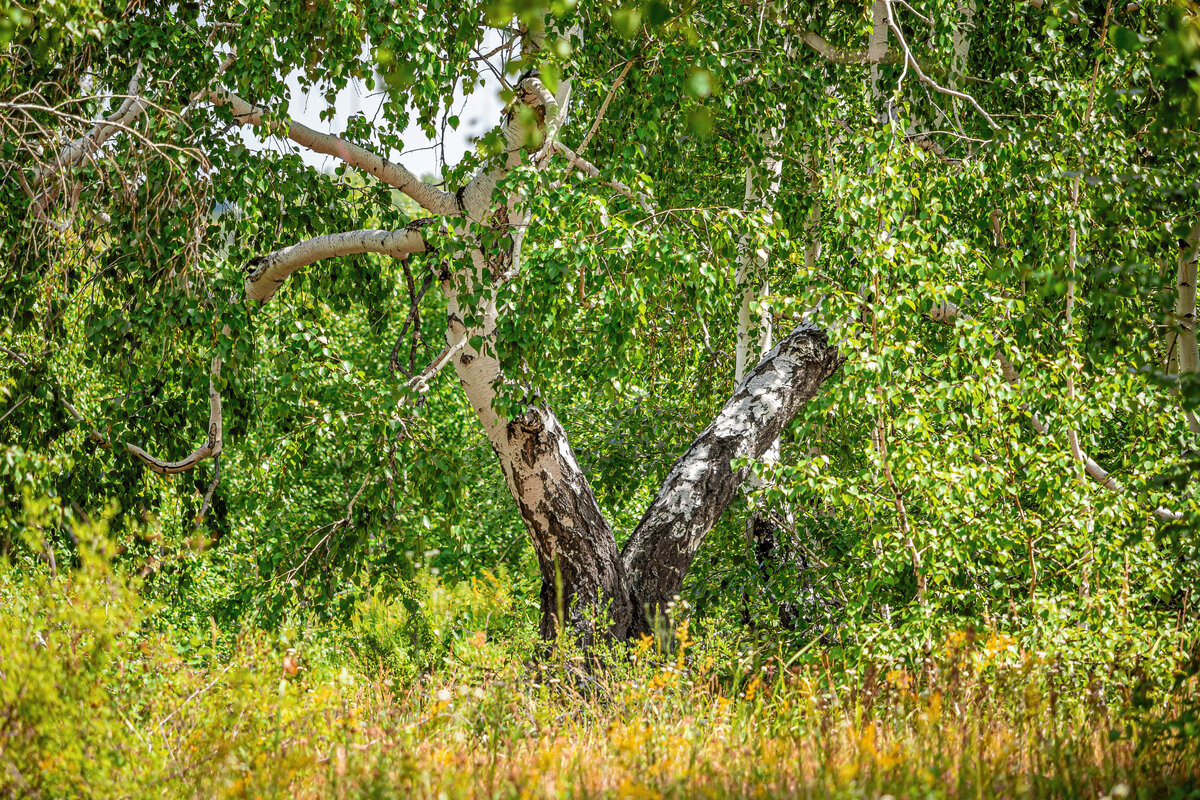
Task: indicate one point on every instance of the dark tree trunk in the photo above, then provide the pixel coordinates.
(768, 540)
(583, 577)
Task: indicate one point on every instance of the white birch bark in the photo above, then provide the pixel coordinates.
(1182, 342)
(436, 201)
(961, 41)
(703, 481)
(754, 336)
(78, 150)
(270, 271)
(584, 577)
(877, 47)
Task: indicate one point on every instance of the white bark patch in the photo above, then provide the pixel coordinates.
(271, 270)
(703, 482)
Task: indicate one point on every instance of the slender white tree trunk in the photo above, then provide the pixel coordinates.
(877, 47)
(1182, 342)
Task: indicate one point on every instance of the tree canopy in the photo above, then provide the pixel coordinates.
(981, 220)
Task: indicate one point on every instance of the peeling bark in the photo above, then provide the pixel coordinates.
(582, 576)
(212, 445)
(877, 48)
(704, 480)
(589, 589)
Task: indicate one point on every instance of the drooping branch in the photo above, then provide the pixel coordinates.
(96, 437)
(76, 151)
(212, 445)
(911, 61)
(604, 106)
(947, 313)
(432, 199)
(704, 480)
(271, 270)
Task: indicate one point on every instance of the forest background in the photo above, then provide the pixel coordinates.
(504, 487)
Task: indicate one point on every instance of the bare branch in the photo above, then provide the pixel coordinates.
(212, 445)
(420, 382)
(604, 106)
(431, 198)
(271, 270)
(591, 170)
(910, 60)
(76, 151)
(208, 496)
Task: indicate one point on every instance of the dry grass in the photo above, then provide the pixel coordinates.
(94, 704)
(986, 720)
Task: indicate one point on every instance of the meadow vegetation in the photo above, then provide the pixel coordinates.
(778, 399)
(436, 694)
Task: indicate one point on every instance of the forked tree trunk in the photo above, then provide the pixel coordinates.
(585, 580)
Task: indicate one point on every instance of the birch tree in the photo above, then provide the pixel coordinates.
(642, 222)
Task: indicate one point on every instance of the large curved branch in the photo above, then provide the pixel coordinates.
(212, 445)
(271, 270)
(432, 199)
(947, 313)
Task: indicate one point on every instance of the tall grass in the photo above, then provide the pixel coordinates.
(95, 702)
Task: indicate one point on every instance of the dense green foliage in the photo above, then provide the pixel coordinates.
(372, 529)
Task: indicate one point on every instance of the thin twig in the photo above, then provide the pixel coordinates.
(910, 60)
(604, 106)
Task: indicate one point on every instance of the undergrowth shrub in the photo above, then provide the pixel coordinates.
(425, 625)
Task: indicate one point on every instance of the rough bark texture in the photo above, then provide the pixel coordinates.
(703, 481)
(583, 578)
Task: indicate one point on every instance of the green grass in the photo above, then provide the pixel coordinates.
(95, 702)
